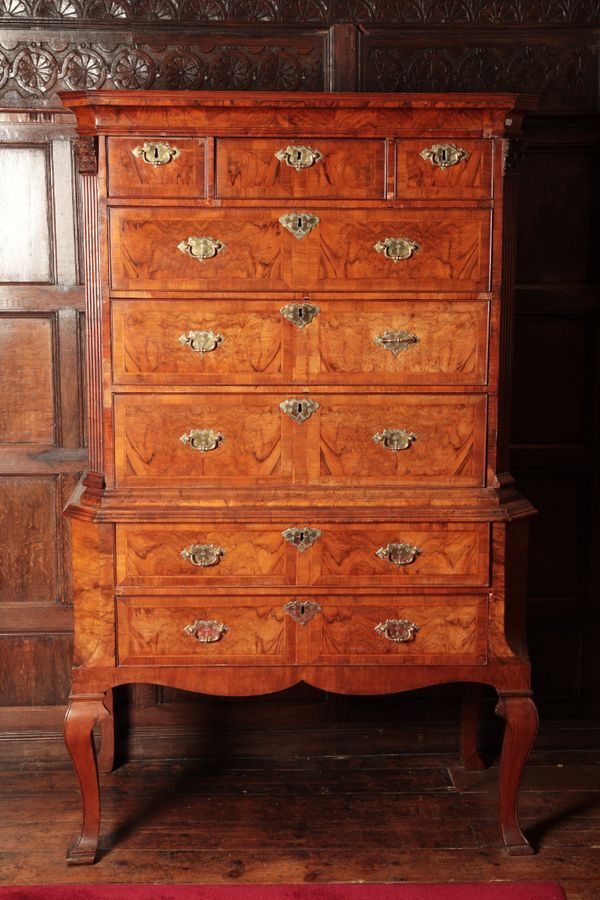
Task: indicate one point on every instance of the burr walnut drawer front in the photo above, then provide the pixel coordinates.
(294, 630)
(241, 341)
(443, 169)
(449, 630)
(256, 168)
(200, 555)
(243, 438)
(194, 631)
(156, 167)
(299, 247)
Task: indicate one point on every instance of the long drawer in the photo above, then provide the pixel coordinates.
(199, 556)
(240, 341)
(238, 249)
(246, 630)
(250, 438)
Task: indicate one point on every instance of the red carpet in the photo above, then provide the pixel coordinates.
(532, 891)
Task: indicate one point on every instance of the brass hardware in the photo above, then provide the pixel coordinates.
(299, 156)
(299, 410)
(302, 611)
(203, 439)
(201, 341)
(398, 630)
(156, 153)
(299, 224)
(396, 341)
(444, 155)
(300, 314)
(201, 248)
(395, 438)
(203, 554)
(397, 248)
(302, 538)
(207, 631)
(399, 554)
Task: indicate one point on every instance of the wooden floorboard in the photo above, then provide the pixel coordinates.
(363, 817)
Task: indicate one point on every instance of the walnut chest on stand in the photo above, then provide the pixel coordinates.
(299, 313)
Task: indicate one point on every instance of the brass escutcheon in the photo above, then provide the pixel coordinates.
(201, 341)
(299, 224)
(399, 554)
(203, 439)
(201, 248)
(444, 155)
(298, 156)
(203, 554)
(398, 630)
(395, 439)
(299, 410)
(156, 153)
(302, 538)
(300, 314)
(207, 631)
(397, 248)
(396, 341)
(302, 611)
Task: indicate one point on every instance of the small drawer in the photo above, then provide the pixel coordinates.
(202, 555)
(320, 439)
(183, 631)
(443, 169)
(156, 167)
(401, 553)
(400, 631)
(309, 167)
(273, 341)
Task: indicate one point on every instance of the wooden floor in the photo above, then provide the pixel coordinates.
(360, 816)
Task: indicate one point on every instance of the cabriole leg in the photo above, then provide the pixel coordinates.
(521, 729)
(82, 714)
(469, 720)
(106, 755)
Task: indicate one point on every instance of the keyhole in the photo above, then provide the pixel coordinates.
(299, 225)
(156, 153)
(301, 536)
(300, 408)
(444, 155)
(300, 312)
(302, 609)
(299, 155)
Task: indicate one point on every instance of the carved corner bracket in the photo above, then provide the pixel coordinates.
(86, 155)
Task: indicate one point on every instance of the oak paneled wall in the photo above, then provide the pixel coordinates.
(546, 46)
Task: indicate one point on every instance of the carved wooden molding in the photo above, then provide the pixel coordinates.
(85, 155)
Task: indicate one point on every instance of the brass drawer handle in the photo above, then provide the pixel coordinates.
(201, 248)
(300, 314)
(156, 153)
(302, 538)
(395, 439)
(302, 611)
(203, 554)
(299, 156)
(207, 631)
(444, 155)
(399, 554)
(397, 248)
(299, 224)
(201, 341)
(396, 341)
(299, 410)
(398, 630)
(203, 439)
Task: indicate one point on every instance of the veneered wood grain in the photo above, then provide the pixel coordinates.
(339, 253)
(248, 168)
(338, 346)
(27, 401)
(450, 631)
(418, 178)
(151, 632)
(130, 176)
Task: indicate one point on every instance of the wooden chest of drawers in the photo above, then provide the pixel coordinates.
(299, 314)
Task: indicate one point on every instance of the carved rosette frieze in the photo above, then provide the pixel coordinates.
(85, 155)
(37, 71)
